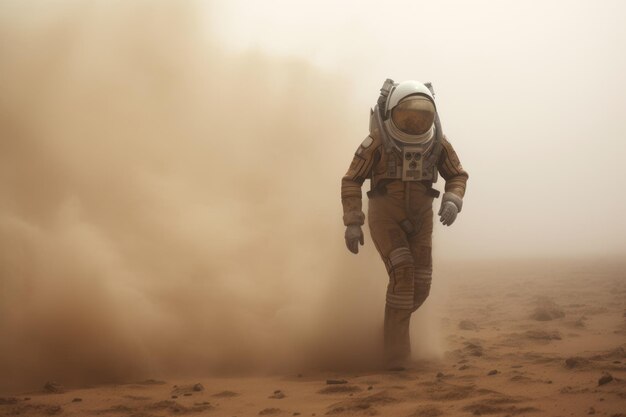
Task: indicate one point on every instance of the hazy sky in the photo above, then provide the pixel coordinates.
(531, 94)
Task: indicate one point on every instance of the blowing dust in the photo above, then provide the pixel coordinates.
(170, 208)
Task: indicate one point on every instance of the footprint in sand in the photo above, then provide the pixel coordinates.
(468, 325)
(497, 405)
(368, 404)
(270, 411)
(546, 309)
(226, 394)
(443, 391)
(339, 389)
(176, 408)
(427, 411)
(16, 407)
(187, 389)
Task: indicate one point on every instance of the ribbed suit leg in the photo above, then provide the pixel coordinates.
(393, 246)
(421, 249)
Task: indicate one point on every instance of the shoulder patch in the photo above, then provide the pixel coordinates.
(367, 142)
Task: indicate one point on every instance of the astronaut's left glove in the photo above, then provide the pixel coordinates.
(354, 236)
(451, 205)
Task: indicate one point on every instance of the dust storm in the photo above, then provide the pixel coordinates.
(171, 238)
(170, 203)
(163, 206)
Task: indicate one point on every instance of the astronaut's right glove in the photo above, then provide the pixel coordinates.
(354, 235)
(451, 205)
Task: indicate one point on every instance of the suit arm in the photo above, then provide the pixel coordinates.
(351, 183)
(451, 170)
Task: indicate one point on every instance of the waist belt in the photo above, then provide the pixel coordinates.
(381, 189)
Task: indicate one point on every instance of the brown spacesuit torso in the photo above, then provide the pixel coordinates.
(384, 169)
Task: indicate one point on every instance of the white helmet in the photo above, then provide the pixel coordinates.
(410, 113)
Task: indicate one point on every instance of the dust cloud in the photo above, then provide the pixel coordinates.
(170, 208)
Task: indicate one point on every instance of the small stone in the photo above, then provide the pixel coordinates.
(151, 382)
(77, 400)
(547, 310)
(492, 372)
(336, 381)
(370, 388)
(174, 396)
(467, 325)
(575, 362)
(440, 375)
(226, 394)
(278, 395)
(269, 411)
(605, 378)
(53, 387)
(26, 398)
(198, 387)
(187, 394)
(473, 349)
(296, 414)
(591, 410)
(542, 335)
(463, 367)
(53, 410)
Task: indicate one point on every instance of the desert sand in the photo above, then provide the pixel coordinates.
(522, 338)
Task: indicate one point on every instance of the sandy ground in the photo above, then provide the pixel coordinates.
(538, 339)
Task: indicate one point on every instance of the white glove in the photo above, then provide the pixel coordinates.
(354, 235)
(451, 205)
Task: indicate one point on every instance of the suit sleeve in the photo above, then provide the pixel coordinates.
(451, 170)
(351, 183)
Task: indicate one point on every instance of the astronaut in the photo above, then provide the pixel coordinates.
(402, 157)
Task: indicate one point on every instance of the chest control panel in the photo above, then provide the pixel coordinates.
(412, 163)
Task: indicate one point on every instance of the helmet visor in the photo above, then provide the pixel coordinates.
(414, 115)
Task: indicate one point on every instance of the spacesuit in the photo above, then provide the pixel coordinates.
(402, 157)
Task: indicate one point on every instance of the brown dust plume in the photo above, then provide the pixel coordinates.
(169, 208)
